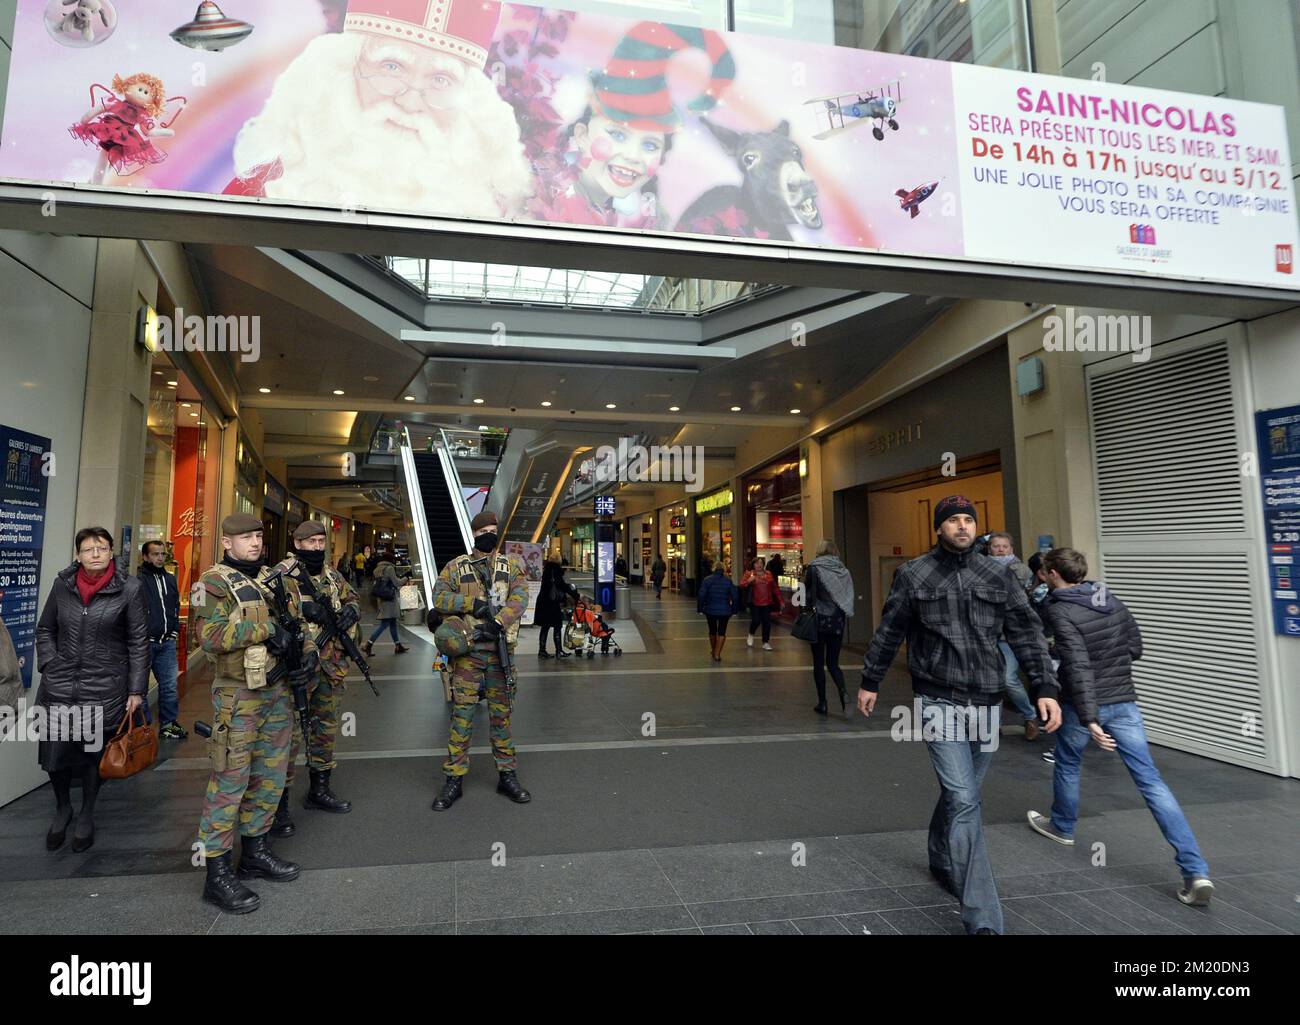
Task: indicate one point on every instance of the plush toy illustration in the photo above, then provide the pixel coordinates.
(124, 129)
(80, 22)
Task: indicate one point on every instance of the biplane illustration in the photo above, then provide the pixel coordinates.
(838, 114)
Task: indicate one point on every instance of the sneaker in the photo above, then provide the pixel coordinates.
(173, 731)
(767, 647)
(749, 641)
(1043, 826)
(1196, 891)
(1049, 757)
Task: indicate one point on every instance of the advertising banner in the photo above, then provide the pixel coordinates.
(22, 538)
(507, 112)
(531, 556)
(1278, 431)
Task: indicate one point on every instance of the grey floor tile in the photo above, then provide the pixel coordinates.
(678, 932)
(1016, 924)
(738, 871)
(168, 904)
(773, 929)
(926, 895)
(820, 927)
(868, 925)
(1274, 908)
(671, 918)
(914, 922)
(1039, 911)
(1218, 919)
(1045, 883)
(1089, 915)
(726, 930)
(803, 905)
(350, 898)
(1148, 921)
(438, 929)
(525, 887)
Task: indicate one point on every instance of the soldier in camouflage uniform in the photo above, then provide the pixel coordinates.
(473, 587)
(326, 692)
(249, 748)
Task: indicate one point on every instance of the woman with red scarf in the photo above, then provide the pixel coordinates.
(92, 651)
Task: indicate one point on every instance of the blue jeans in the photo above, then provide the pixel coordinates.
(1124, 723)
(392, 626)
(162, 659)
(956, 843)
(1015, 689)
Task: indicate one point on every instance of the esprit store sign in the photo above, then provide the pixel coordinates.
(651, 127)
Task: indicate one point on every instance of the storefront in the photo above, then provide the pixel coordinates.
(640, 548)
(773, 511)
(274, 500)
(178, 501)
(714, 532)
(582, 550)
(673, 521)
(248, 477)
(295, 513)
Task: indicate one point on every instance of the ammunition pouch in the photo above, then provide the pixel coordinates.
(255, 665)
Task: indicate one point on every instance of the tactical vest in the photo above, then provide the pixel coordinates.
(251, 608)
(471, 585)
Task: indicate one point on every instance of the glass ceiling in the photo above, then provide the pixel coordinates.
(508, 283)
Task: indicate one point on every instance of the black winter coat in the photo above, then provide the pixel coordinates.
(1097, 640)
(550, 607)
(94, 654)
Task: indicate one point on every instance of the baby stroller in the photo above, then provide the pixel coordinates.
(586, 628)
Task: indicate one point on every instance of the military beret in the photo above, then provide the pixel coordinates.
(240, 523)
(308, 528)
(484, 519)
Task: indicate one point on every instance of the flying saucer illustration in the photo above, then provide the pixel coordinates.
(211, 29)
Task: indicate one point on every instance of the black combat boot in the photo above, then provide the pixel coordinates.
(451, 791)
(259, 861)
(508, 784)
(320, 795)
(283, 824)
(224, 889)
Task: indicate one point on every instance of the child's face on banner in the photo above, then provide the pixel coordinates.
(623, 159)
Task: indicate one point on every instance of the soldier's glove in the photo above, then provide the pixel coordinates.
(482, 609)
(348, 618)
(279, 643)
(313, 613)
(489, 630)
(304, 677)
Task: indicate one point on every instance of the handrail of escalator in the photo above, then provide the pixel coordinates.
(457, 492)
(423, 544)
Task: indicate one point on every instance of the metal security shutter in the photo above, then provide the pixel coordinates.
(1166, 447)
(1178, 544)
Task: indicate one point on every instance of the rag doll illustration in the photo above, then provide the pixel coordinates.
(124, 129)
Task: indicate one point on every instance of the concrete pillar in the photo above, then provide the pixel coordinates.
(117, 391)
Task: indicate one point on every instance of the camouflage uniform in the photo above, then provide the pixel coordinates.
(480, 673)
(326, 692)
(235, 617)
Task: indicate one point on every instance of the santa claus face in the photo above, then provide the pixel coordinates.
(619, 160)
(408, 83)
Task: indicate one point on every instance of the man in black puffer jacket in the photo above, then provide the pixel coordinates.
(1097, 640)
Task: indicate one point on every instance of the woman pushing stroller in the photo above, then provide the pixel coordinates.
(549, 612)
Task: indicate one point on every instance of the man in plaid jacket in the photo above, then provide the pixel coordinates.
(952, 607)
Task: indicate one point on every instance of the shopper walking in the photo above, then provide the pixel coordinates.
(164, 627)
(1098, 640)
(951, 606)
(358, 569)
(657, 570)
(763, 599)
(717, 601)
(384, 590)
(828, 591)
(92, 649)
(549, 611)
(1002, 549)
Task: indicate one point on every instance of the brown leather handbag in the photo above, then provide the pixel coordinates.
(130, 751)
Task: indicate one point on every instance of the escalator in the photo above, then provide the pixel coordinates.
(446, 537)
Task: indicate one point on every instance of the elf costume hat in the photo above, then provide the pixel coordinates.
(461, 28)
(633, 89)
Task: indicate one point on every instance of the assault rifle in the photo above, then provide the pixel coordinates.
(290, 664)
(328, 620)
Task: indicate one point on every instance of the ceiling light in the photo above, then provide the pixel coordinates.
(157, 373)
(547, 405)
(409, 398)
(478, 402)
(338, 391)
(171, 384)
(674, 409)
(185, 405)
(795, 412)
(735, 409)
(610, 405)
(194, 414)
(369, 378)
(265, 391)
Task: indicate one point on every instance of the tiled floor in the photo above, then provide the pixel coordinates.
(743, 813)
